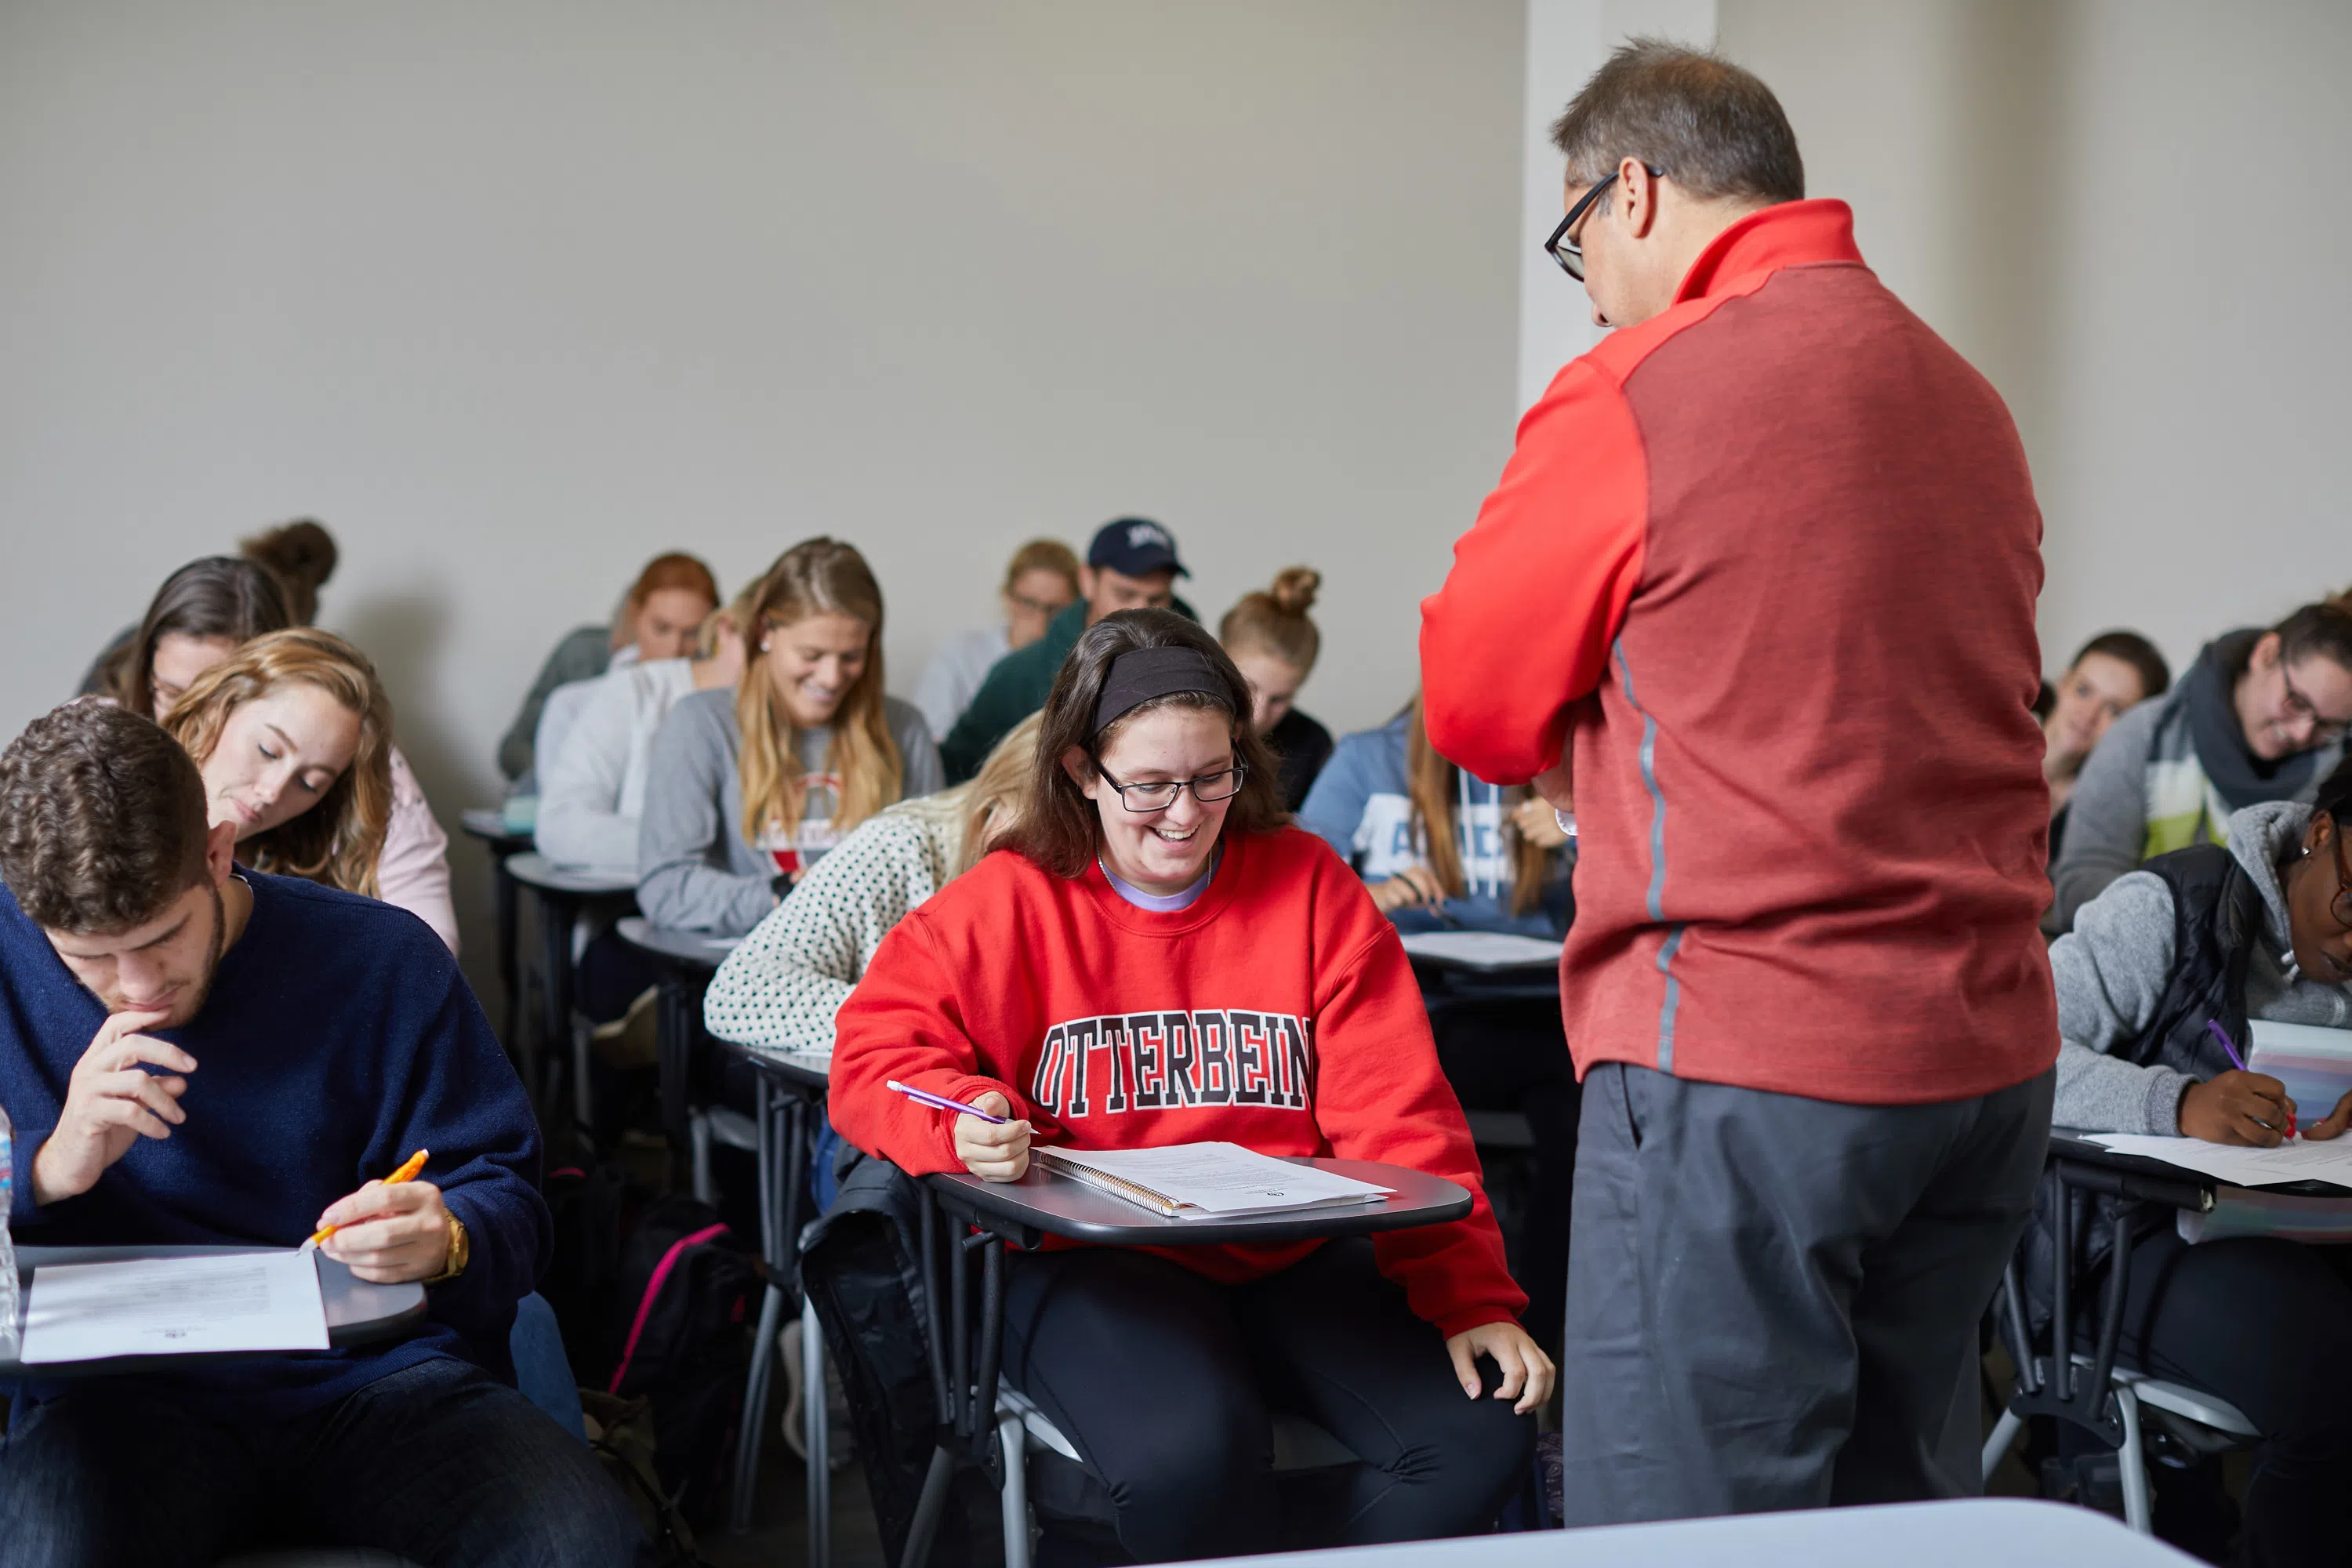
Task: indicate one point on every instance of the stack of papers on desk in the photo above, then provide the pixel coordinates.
(2296, 1161)
(174, 1306)
(1208, 1180)
(1484, 949)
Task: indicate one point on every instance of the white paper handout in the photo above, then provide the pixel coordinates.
(1208, 1180)
(1484, 949)
(176, 1306)
(2294, 1162)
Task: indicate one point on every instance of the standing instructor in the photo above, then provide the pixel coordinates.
(1757, 590)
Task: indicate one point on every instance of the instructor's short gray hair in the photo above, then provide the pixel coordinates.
(1714, 129)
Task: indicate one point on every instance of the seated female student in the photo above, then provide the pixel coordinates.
(746, 788)
(199, 619)
(2113, 673)
(2260, 716)
(1040, 581)
(1439, 850)
(2201, 938)
(299, 557)
(1267, 636)
(782, 984)
(657, 619)
(195, 620)
(591, 787)
(1084, 981)
(292, 733)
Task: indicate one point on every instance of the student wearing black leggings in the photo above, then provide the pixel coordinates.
(2201, 939)
(1158, 959)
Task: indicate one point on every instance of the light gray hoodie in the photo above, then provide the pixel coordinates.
(2112, 970)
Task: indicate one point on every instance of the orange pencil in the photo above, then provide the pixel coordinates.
(407, 1173)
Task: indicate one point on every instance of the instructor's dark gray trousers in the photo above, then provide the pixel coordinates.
(1772, 1301)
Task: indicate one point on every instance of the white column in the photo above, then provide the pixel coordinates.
(1566, 41)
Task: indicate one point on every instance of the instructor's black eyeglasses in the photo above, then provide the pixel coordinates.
(1206, 789)
(1568, 252)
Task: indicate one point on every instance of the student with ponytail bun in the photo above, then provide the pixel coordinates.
(1271, 641)
(1155, 957)
(746, 785)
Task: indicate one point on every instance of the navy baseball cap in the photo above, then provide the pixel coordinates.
(1134, 547)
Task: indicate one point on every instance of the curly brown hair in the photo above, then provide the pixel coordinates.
(102, 819)
(1059, 829)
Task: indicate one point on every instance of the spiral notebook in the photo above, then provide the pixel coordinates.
(1208, 1180)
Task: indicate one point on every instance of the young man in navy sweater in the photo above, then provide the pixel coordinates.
(192, 1053)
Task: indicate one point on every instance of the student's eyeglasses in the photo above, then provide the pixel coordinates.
(1036, 606)
(2324, 729)
(1207, 789)
(1568, 252)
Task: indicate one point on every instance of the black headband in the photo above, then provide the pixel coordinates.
(1140, 675)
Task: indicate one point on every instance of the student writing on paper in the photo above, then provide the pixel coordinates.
(2205, 936)
(194, 1053)
(1154, 960)
(203, 615)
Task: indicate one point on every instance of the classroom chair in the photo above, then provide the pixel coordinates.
(2092, 1388)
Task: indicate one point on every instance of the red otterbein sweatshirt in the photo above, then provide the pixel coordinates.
(1278, 1013)
(1765, 565)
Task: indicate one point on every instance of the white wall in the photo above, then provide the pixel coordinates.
(514, 295)
(2130, 214)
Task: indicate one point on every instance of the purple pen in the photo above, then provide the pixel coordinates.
(2215, 1025)
(941, 1103)
(2239, 1062)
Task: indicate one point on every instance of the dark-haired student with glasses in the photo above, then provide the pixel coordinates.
(2205, 938)
(1155, 957)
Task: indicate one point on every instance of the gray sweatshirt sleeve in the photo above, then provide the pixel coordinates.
(2107, 816)
(2111, 971)
(683, 838)
(923, 774)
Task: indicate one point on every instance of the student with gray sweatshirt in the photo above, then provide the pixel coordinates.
(746, 786)
(2204, 936)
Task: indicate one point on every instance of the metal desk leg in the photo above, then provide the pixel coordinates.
(509, 956)
(555, 985)
(816, 1435)
(752, 1428)
(674, 1054)
(968, 1383)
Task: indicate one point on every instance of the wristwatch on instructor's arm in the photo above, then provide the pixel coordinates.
(461, 1250)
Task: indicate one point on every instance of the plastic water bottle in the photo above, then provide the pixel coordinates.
(9, 1312)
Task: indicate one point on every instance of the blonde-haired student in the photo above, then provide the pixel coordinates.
(746, 788)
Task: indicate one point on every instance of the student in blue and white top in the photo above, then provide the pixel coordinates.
(1439, 849)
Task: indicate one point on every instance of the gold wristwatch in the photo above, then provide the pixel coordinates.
(461, 1251)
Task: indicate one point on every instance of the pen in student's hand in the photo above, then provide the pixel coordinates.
(2222, 1035)
(407, 1173)
(941, 1103)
